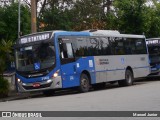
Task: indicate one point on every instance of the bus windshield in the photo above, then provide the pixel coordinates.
(35, 57)
(154, 54)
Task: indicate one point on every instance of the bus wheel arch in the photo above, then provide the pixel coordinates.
(130, 68)
(85, 81)
(129, 78)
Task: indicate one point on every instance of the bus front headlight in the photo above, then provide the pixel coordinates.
(18, 80)
(56, 74)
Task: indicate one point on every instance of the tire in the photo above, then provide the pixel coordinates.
(48, 92)
(84, 83)
(128, 79)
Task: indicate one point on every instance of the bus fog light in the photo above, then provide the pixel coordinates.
(24, 84)
(48, 81)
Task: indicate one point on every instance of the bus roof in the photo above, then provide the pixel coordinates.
(54, 31)
(121, 35)
(102, 32)
(112, 33)
(109, 33)
(153, 39)
(128, 36)
(49, 34)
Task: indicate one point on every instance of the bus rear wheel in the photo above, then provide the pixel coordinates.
(84, 83)
(128, 79)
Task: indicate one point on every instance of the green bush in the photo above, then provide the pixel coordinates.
(4, 87)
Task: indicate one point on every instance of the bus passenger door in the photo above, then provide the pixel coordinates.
(68, 72)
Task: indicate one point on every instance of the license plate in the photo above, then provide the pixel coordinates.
(36, 84)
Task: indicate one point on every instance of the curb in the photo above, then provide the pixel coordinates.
(19, 96)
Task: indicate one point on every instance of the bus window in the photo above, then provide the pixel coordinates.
(140, 46)
(80, 46)
(66, 53)
(98, 46)
(117, 46)
(69, 50)
(45, 51)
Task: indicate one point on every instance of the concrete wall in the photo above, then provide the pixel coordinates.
(10, 76)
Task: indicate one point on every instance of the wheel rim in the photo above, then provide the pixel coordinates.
(129, 78)
(84, 83)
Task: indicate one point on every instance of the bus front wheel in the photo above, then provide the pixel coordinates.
(84, 83)
(128, 79)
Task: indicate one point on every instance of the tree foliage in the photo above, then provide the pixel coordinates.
(9, 21)
(127, 16)
(4, 87)
(5, 54)
(5, 57)
(55, 19)
(154, 21)
(134, 16)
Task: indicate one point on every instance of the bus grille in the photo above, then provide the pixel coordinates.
(41, 86)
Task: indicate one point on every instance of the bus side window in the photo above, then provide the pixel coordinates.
(63, 51)
(140, 46)
(69, 50)
(66, 53)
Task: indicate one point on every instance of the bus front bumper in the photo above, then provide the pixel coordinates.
(54, 83)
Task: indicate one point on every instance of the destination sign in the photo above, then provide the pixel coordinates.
(34, 38)
(152, 42)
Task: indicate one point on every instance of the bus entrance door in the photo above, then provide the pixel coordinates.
(67, 65)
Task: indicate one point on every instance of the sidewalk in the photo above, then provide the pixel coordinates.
(17, 96)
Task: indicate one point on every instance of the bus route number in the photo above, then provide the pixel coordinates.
(45, 78)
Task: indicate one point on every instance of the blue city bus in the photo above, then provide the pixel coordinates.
(154, 55)
(53, 60)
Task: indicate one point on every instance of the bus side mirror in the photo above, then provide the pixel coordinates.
(60, 41)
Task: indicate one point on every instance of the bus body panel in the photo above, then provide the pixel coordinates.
(69, 75)
(86, 64)
(71, 72)
(110, 68)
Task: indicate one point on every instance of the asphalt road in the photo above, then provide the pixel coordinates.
(144, 95)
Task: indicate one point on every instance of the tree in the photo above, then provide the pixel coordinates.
(5, 51)
(154, 28)
(72, 15)
(130, 14)
(5, 54)
(56, 16)
(88, 14)
(136, 17)
(9, 21)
